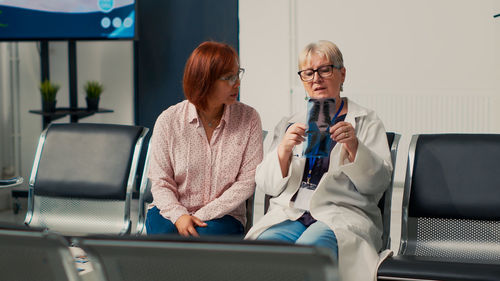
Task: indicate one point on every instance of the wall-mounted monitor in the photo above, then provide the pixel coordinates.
(67, 19)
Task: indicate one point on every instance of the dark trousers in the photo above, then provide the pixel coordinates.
(227, 225)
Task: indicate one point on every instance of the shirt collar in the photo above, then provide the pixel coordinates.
(225, 115)
(193, 117)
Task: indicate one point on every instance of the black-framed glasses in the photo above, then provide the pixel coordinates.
(324, 71)
(231, 79)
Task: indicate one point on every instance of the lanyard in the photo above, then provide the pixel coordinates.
(313, 159)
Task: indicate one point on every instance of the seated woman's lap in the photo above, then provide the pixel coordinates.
(227, 225)
(317, 234)
(287, 231)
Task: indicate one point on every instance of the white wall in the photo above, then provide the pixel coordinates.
(425, 66)
(265, 51)
(109, 62)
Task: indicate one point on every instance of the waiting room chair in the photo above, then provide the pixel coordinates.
(450, 219)
(82, 178)
(28, 254)
(386, 200)
(124, 258)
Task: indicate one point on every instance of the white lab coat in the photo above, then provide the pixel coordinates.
(346, 197)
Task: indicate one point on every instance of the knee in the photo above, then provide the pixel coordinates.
(325, 239)
(268, 235)
(322, 242)
(226, 225)
(157, 224)
(275, 235)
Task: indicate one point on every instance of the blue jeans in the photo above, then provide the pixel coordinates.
(317, 234)
(227, 225)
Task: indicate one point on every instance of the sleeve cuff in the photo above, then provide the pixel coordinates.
(363, 162)
(173, 216)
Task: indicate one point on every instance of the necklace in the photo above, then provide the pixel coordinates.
(210, 124)
(213, 122)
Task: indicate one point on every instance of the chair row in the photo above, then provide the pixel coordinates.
(84, 171)
(450, 226)
(36, 254)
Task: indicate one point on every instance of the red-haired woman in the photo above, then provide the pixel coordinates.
(205, 151)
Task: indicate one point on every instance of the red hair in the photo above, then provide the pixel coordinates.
(207, 63)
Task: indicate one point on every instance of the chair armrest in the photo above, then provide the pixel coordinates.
(11, 182)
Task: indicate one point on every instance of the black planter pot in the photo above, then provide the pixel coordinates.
(92, 104)
(48, 106)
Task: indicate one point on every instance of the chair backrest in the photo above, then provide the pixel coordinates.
(28, 254)
(82, 178)
(174, 258)
(145, 196)
(386, 199)
(452, 197)
(385, 202)
(249, 212)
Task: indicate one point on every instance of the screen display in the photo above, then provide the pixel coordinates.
(67, 19)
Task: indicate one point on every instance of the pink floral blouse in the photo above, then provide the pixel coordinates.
(207, 180)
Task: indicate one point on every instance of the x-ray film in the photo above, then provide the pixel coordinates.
(319, 118)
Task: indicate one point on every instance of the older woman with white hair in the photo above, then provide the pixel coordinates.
(338, 208)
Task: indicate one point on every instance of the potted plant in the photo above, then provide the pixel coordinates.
(93, 90)
(49, 93)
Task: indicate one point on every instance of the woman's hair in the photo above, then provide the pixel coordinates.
(323, 48)
(207, 63)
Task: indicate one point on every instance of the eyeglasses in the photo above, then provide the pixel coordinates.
(232, 78)
(324, 71)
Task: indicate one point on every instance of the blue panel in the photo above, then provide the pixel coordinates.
(169, 30)
(19, 23)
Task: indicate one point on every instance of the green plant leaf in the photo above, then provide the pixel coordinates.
(93, 89)
(48, 90)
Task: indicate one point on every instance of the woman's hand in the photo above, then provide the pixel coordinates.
(344, 133)
(293, 136)
(186, 225)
